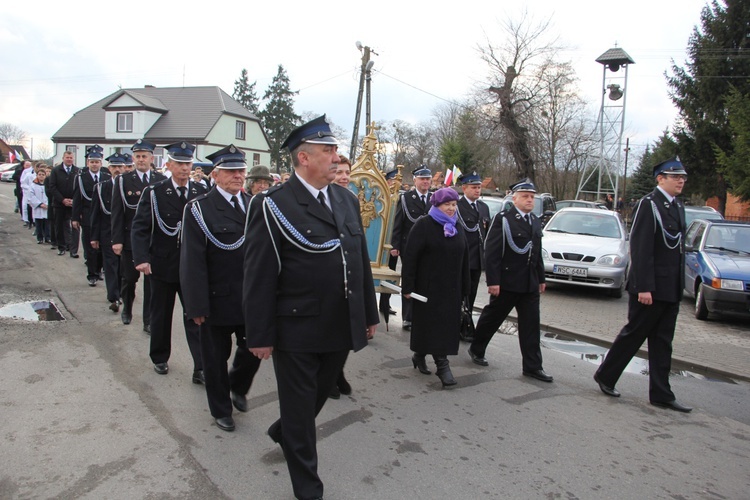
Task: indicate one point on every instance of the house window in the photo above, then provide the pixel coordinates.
(239, 130)
(256, 159)
(71, 147)
(124, 122)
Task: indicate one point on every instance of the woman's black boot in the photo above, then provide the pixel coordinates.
(419, 362)
(444, 371)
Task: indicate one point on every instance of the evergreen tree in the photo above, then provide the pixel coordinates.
(735, 166)
(278, 117)
(244, 93)
(717, 60)
(643, 182)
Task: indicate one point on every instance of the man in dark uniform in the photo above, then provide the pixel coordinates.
(83, 194)
(411, 206)
(474, 216)
(155, 241)
(308, 294)
(61, 187)
(655, 285)
(101, 230)
(515, 278)
(127, 192)
(212, 253)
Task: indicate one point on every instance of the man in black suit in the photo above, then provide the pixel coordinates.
(101, 230)
(125, 197)
(62, 186)
(83, 194)
(655, 285)
(411, 206)
(308, 294)
(155, 240)
(212, 252)
(515, 278)
(474, 216)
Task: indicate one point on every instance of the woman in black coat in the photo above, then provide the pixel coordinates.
(436, 265)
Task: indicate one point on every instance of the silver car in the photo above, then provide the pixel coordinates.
(588, 247)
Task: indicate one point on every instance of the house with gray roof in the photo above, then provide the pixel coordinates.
(205, 116)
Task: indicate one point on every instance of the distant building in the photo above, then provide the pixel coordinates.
(18, 150)
(205, 116)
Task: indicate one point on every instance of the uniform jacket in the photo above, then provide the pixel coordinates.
(520, 273)
(438, 268)
(294, 300)
(475, 224)
(211, 277)
(655, 267)
(408, 210)
(125, 196)
(62, 184)
(150, 243)
(82, 198)
(101, 212)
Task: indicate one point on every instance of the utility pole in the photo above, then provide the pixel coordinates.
(364, 76)
(625, 179)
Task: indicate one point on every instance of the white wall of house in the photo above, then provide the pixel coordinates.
(224, 133)
(143, 120)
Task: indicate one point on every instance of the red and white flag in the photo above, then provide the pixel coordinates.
(448, 177)
(11, 156)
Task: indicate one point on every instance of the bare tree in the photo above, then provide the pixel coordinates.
(43, 151)
(12, 134)
(515, 68)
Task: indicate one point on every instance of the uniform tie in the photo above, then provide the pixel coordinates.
(473, 206)
(96, 178)
(183, 192)
(237, 206)
(527, 219)
(322, 200)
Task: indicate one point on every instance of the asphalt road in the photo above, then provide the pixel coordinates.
(84, 416)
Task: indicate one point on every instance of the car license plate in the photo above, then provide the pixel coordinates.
(570, 271)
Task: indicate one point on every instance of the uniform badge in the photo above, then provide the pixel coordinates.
(666, 204)
(130, 193)
(169, 190)
(518, 216)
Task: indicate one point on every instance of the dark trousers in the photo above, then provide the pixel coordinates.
(475, 275)
(111, 265)
(92, 255)
(51, 224)
(493, 315)
(304, 380)
(162, 307)
(129, 276)
(67, 237)
(655, 323)
(42, 229)
(216, 347)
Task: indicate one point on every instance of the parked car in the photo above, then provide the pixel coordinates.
(587, 247)
(6, 171)
(495, 204)
(580, 204)
(707, 213)
(717, 266)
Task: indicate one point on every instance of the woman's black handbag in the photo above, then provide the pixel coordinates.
(467, 322)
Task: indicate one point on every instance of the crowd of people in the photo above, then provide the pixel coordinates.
(248, 253)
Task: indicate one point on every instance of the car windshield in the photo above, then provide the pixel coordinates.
(726, 238)
(700, 213)
(585, 224)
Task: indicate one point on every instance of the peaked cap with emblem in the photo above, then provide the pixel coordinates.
(180, 151)
(142, 145)
(127, 159)
(673, 166)
(422, 171)
(228, 158)
(316, 131)
(524, 185)
(95, 152)
(391, 174)
(115, 159)
(472, 178)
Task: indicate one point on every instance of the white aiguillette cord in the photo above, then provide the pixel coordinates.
(397, 289)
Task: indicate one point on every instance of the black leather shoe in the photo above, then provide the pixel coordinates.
(335, 393)
(92, 281)
(61, 252)
(673, 405)
(609, 391)
(392, 312)
(161, 368)
(481, 361)
(343, 385)
(539, 375)
(239, 401)
(126, 318)
(114, 306)
(198, 377)
(74, 256)
(406, 325)
(225, 423)
(147, 329)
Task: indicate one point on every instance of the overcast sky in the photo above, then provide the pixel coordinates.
(59, 57)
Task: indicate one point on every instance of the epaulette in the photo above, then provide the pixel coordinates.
(272, 189)
(198, 198)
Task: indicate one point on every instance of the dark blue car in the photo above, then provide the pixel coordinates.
(717, 266)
